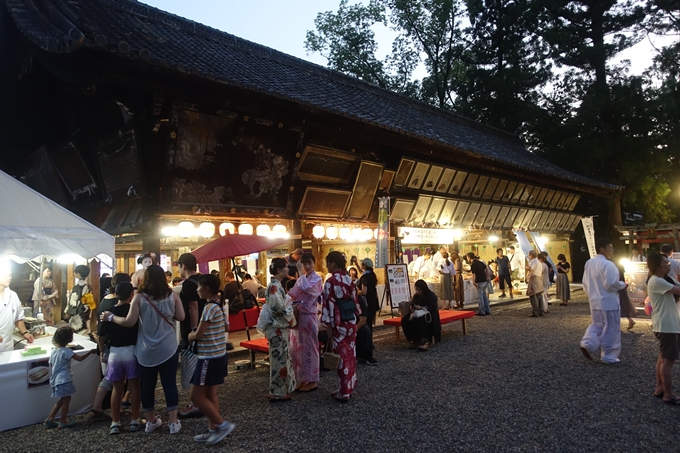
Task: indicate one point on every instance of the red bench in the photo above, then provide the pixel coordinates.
(445, 316)
(257, 345)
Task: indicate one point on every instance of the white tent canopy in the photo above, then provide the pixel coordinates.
(32, 225)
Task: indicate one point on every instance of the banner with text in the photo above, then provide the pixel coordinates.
(423, 236)
(382, 245)
(589, 231)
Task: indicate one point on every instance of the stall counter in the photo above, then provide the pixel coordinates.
(31, 402)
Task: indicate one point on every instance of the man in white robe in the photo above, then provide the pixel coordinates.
(601, 283)
(517, 263)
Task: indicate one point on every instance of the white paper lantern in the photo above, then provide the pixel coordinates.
(345, 233)
(206, 229)
(493, 239)
(279, 231)
(185, 229)
(227, 226)
(318, 231)
(332, 233)
(263, 230)
(375, 234)
(367, 234)
(169, 231)
(245, 228)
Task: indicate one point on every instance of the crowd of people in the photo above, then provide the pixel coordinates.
(137, 336)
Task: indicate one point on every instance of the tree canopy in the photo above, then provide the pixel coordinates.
(547, 70)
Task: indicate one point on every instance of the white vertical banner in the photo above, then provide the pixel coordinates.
(523, 241)
(589, 231)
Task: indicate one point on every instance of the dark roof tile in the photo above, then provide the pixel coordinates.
(138, 31)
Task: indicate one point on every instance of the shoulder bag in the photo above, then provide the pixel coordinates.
(158, 311)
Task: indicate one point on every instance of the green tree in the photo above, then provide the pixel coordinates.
(507, 64)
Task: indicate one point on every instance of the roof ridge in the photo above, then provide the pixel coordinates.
(282, 57)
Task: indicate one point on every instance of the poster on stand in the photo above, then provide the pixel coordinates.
(635, 275)
(398, 284)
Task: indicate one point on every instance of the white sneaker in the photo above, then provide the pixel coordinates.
(221, 431)
(175, 427)
(200, 438)
(151, 427)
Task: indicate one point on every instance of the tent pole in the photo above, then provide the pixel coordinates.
(240, 296)
(40, 285)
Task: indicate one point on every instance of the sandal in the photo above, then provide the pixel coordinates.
(658, 395)
(98, 416)
(134, 427)
(67, 425)
(50, 424)
(115, 429)
(278, 399)
(675, 401)
(308, 387)
(342, 399)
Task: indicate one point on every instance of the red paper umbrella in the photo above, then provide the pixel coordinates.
(231, 245)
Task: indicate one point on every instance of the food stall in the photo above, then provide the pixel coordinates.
(416, 240)
(33, 226)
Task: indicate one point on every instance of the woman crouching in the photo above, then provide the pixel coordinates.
(423, 322)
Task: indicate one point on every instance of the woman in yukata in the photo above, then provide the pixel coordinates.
(275, 321)
(304, 343)
(340, 313)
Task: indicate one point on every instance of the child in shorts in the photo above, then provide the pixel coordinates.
(212, 361)
(61, 380)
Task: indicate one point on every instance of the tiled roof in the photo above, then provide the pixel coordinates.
(140, 32)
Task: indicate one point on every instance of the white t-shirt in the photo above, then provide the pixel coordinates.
(10, 312)
(665, 316)
(536, 268)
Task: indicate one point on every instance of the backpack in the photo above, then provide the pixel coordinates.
(490, 276)
(244, 300)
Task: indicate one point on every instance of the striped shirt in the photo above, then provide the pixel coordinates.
(213, 344)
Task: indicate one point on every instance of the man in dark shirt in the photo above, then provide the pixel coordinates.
(368, 283)
(230, 291)
(478, 268)
(292, 260)
(503, 269)
(193, 307)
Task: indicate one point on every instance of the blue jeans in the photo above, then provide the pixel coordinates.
(483, 298)
(149, 377)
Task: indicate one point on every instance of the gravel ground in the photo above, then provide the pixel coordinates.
(512, 384)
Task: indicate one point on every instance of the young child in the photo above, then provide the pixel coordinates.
(212, 361)
(61, 380)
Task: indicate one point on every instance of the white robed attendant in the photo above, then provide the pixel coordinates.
(601, 283)
(11, 314)
(517, 264)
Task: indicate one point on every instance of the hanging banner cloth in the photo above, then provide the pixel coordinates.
(541, 248)
(589, 231)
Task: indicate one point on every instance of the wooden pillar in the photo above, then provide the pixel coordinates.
(95, 272)
(296, 242)
(58, 278)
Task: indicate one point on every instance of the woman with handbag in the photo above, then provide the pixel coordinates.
(304, 343)
(156, 307)
(423, 322)
(339, 315)
(276, 318)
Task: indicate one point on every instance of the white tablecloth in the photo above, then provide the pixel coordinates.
(26, 406)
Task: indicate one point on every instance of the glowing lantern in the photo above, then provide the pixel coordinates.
(332, 233)
(367, 234)
(263, 230)
(206, 229)
(227, 227)
(185, 229)
(245, 228)
(279, 231)
(345, 233)
(318, 231)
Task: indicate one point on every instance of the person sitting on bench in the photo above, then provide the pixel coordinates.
(419, 327)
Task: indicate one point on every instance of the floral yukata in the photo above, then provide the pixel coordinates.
(304, 341)
(281, 379)
(339, 286)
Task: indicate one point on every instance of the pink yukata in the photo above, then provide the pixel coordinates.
(304, 341)
(339, 286)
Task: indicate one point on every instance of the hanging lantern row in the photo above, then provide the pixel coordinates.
(186, 229)
(355, 234)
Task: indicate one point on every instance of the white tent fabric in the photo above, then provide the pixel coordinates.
(32, 225)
